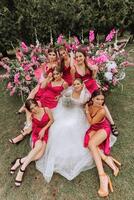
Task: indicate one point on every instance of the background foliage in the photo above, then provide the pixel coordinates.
(18, 19)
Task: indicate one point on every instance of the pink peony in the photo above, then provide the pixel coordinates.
(9, 86)
(26, 67)
(101, 59)
(28, 78)
(33, 59)
(91, 36)
(74, 47)
(16, 78)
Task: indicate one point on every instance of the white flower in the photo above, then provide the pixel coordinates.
(108, 76)
(111, 65)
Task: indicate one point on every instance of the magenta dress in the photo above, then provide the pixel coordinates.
(39, 71)
(89, 82)
(67, 76)
(48, 96)
(37, 125)
(104, 124)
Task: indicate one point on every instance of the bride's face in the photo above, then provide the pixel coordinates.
(77, 86)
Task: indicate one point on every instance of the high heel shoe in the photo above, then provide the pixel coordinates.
(105, 186)
(13, 163)
(111, 162)
(114, 129)
(12, 140)
(18, 182)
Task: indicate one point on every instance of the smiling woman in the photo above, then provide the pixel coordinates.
(98, 137)
(41, 121)
(65, 153)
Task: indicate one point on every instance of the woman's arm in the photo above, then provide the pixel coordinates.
(97, 118)
(33, 92)
(46, 80)
(48, 111)
(94, 69)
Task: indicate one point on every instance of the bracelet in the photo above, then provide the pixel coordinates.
(87, 112)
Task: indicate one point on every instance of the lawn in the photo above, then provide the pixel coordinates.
(85, 186)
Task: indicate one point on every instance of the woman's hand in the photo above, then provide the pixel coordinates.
(65, 85)
(41, 133)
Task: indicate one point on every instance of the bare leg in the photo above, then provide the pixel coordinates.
(95, 140)
(22, 109)
(33, 155)
(110, 161)
(20, 161)
(26, 130)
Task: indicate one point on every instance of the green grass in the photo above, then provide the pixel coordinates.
(83, 187)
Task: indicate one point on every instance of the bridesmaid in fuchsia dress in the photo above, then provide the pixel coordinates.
(66, 65)
(47, 94)
(97, 139)
(50, 90)
(41, 121)
(83, 71)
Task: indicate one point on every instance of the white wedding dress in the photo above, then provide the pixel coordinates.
(65, 153)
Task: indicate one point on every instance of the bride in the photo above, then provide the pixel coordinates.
(65, 153)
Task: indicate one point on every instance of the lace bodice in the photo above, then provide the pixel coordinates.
(68, 100)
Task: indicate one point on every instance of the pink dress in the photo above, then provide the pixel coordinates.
(89, 82)
(48, 95)
(40, 71)
(67, 76)
(104, 124)
(37, 125)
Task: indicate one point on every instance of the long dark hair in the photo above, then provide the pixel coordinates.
(80, 50)
(29, 102)
(62, 61)
(52, 49)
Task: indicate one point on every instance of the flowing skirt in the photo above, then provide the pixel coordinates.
(65, 153)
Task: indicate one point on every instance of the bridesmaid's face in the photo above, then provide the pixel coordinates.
(77, 86)
(79, 58)
(98, 100)
(52, 56)
(57, 75)
(33, 108)
(63, 54)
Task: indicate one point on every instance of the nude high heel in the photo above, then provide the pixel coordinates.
(111, 162)
(105, 186)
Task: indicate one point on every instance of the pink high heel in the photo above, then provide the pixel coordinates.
(105, 186)
(110, 161)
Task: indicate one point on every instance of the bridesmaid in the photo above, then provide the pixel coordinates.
(83, 71)
(98, 137)
(66, 65)
(46, 94)
(49, 66)
(41, 121)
